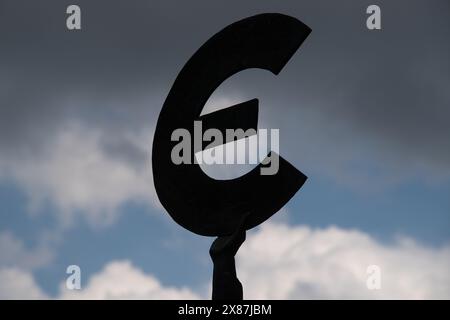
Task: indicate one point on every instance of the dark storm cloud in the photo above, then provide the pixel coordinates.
(390, 87)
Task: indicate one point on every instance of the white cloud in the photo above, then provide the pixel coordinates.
(117, 280)
(77, 175)
(13, 253)
(16, 263)
(121, 280)
(283, 262)
(279, 261)
(18, 284)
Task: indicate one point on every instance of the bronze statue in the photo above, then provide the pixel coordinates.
(225, 208)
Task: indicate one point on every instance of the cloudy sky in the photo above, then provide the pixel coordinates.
(364, 114)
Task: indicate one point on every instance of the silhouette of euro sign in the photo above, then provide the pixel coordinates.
(197, 202)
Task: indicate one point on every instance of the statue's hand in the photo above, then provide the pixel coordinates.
(229, 245)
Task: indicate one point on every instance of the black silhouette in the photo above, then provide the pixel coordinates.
(199, 203)
(226, 285)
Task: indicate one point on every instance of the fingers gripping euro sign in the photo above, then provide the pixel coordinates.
(199, 203)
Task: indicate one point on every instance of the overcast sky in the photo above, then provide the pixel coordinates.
(364, 114)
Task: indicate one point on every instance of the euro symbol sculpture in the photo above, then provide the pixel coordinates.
(225, 208)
